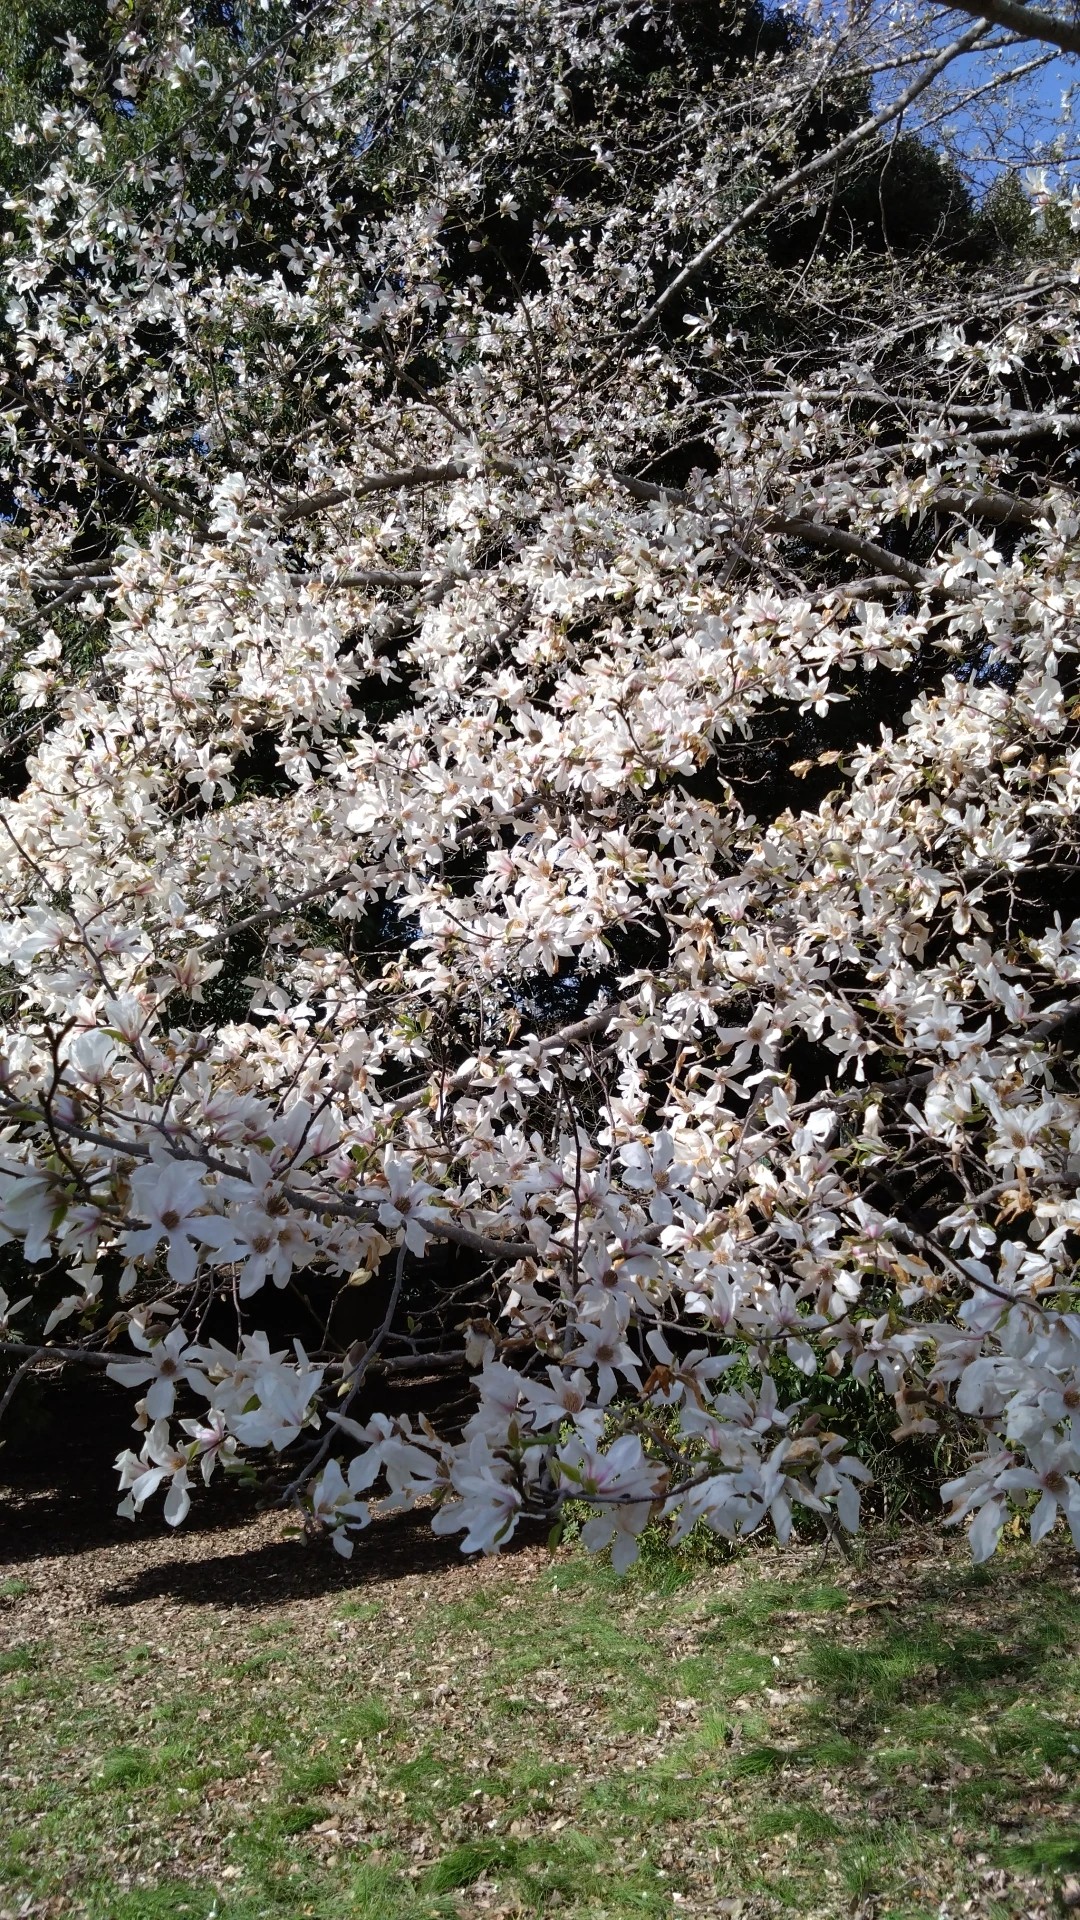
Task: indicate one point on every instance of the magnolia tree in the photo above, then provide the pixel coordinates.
(540, 611)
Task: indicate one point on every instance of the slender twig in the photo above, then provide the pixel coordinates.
(18, 1377)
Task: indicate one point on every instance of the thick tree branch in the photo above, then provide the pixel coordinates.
(395, 1365)
(817, 533)
(1028, 23)
(396, 480)
(1034, 429)
(1000, 509)
(354, 577)
(364, 484)
(31, 1351)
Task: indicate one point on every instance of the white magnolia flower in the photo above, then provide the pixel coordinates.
(400, 1196)
(334, 1507)
(1053, 1475)
(168, 1195)
(143, 1473)
(169, 1362)
(601, 1344)
(623, 1482)
(488, 1504)
(31, 1206)
(655, 1173)
(214, 1444)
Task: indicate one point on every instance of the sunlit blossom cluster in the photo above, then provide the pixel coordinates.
(465, 845)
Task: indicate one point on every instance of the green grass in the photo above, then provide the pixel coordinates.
(18, 1659)
(561, 1742)
(359, 1610)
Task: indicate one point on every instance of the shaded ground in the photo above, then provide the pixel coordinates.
(222, 1722)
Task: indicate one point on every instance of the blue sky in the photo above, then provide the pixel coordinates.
(1030, 117)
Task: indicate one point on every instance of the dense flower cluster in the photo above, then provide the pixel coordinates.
(415, 671)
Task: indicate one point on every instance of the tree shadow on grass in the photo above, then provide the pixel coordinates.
(966, 1640)
(964, 1702)
(280, 1571)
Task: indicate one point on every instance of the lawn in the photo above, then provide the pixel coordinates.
(230, 1725)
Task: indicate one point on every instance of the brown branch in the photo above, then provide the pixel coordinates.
(436, 1225)
(1051, 426)
(279, 912)
(18, 1377)
(392, 482)
(876, 586)
(818, 533)
(1001, 509)
(356, 577)
(403, 1364)
(157, 494)
(400, 478)
(86, 1356)
(994, 505)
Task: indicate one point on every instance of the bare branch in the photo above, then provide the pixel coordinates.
(1001, 509)
(364, 484)
(793, 182)
(18, 1377)
(281, 911)
(817, 533)
(404, 1365)
(1025, 430)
